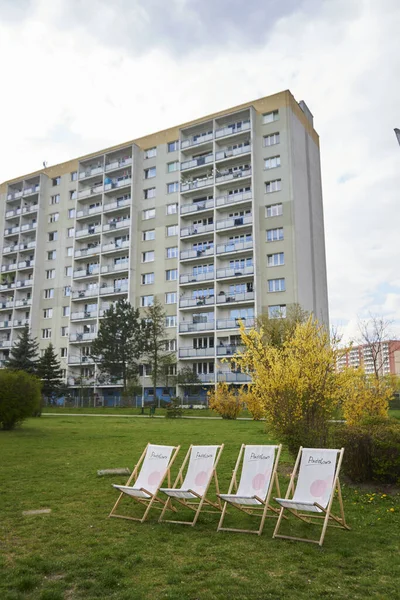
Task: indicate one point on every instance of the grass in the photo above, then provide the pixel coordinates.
(76, 552)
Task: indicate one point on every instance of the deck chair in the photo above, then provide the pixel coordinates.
(257, 480)
(147, 477)
(192, 494)
(318, 478)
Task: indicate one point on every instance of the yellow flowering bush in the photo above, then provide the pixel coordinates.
(225, 401)
(254, 406)
(365, 396)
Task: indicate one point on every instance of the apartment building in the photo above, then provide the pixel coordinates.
(382, 358)
(221, 218)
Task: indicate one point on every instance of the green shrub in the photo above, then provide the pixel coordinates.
(174, 409)
(20, 397)
(372, 450)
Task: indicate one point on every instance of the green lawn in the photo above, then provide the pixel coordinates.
(76, 552)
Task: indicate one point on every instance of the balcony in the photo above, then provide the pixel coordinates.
(196, 352)
(92, 230)
(187, 186)
(233, 199)
(114, 185)
(197, 162)
(14, 195)
(107, 269)
(197, 206)
(82, 337)
(12, 230)
(87, 212)
(23, 283)
(196, 140)
(193, 327)
(196, 229)
(230, 377)
(191, 254)
(231, 129)
(5, 343)
(86, 293)
(80, 360)
(20, 322)
(28, 226)
(85, 314)
(119, 163)
(13, 213)
(33, 189)
(88, 251)
(115, 225)
(206, 377)
(234, 246)
(10, 267)
(118, 204)
(234, 323)
(7, 305)
(234, 222)
(240, 297)
(27, 246)
(227, 153)
(92, 271)
(229, 350)
(113, 247)
(111, 289)
(5, 324)
(235, 272)
(81, 381)
(30, 209)
(26, 264)
(189, 302)
(92, 191)
(9, 249)
(91, 172)
(239, 174)
(23, 302)
(7, 286)
(196, 278)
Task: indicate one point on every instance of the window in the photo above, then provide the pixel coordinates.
(271, 140)
(274, 235)
(273, 210)
(273, 186)
(150, 213)
(276, 285)
(150, 153)
(270, 117)
(173, 166)
(65, 311)
(50, 273)
(72, 194)
(67, 290)
(277, 311)
(46, 334)
(149, 235)
(74, 175)
(146, 300)
(70, 251)
(49, 293)
(70, 231)
(53, 235)
(71, 213)
(172, 209)
(173, 146)
(56, 181)
(170, 321)
(147, 278)
(272, 163)
(64, 331)
(47, 313)
(171, 274)
(53, 218)
(276, 260)
(68, 271)
(172, 187)
(172, 252)
(149, 193)
(172, 230)
(148, 256)
(55, 199)
(170, 345)
(51, 255)
(150, 173)
(63, 352)
(170, 298)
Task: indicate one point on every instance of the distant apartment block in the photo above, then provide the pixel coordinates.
(383, 358)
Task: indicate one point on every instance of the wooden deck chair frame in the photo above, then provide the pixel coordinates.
(195, 504)
(153, 501)
(308, 517)
(260, 510)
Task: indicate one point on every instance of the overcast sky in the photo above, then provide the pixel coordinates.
(79, 75)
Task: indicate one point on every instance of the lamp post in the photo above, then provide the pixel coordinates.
(397, 133)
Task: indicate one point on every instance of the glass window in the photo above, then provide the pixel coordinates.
(53, 218)
(276, 285)
(172, 230)
(270, 116)
(67, 290)
(68, 272)
(70, 251)
(149, 235)
(46, 334)
(274, 210)
(173, 166)
(150, 213)
(277, 311)
(63, 352)
(170, 321)
(172, 187)
(56, 181)
(71, 213)
(149, 193)
(172, 209)
(148, 256)
(273, 186)
(64, 330)
(271, 140)
(70, 232)
(150, 173)
(274, 235)
(51, 255)
(50, 274)
(170, 298)
(52, 236)
(172, 252)
(49, 293)
(74, 175)
(272, 163)
(171, 274)
(276, 260)
(173, 146)
(150, 153)
(47, 313)
(146, 300)
(147, 278)
(55, 199)
(65, 311)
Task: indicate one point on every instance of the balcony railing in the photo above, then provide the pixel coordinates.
(117, 204)
(5, 324)
(88, 231)
(189, 327)
(14, 195)
(233, 198)
(27, 245)
(13, 213)
(117, 225)
(85, 314)
(113, 246)
(23, 302)
(197, 229)
(221, 154)
(20, 322)
(82, 337)
(119, 163)
(11, 267)
(196, 184)
(34, 189)
(8, 304)
(190, 302)
(234, 377)
(235, 272)
(197, 206)
(197, 162)
(234, 222)
(26, 264)
(117, 289)
(9, 249)
(123, 266)
(222, 177)
(240, 297)
(30, 209)
(234, 323)
(93, 270)
(234, 246)
(229, 350)
(196, 140)
(89, 251)
(206, 377)
(91, 171)
(85, 212)
(78, 360)
(231, 129)
(5, 343)
(117, 184)
(193, 278)
(196, 352)
(28, 226)
(12, 230)
(92, 191)
(186, 254)
(24, 283)
(85, 293)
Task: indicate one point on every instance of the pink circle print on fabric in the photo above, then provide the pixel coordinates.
(153, 478)
(317, 488)
(201, 479)
(258, 481)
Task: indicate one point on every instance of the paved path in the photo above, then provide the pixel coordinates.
(134, 416)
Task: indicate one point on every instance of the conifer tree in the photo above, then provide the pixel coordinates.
(49, 371)
(24, 355)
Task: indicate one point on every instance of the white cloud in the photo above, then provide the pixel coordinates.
(68, 90)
